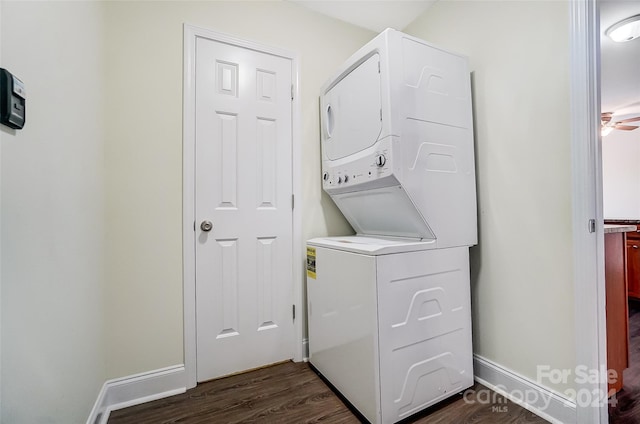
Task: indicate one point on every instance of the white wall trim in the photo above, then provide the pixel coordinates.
(586, 158)
(525, 392)
(191, 33)
(188, 206)
(136, 389)
(299, 250)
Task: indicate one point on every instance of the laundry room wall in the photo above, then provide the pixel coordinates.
(143, 155)
(522, 275)
(52, 214)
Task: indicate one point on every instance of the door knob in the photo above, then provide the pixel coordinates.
(206, 226)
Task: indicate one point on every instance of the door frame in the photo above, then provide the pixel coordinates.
(586, 158)
(191, 33)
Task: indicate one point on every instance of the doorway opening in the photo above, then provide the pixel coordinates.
(620, 122)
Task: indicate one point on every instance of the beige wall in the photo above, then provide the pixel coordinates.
(52, 215)
(522, 277)
(143, 155)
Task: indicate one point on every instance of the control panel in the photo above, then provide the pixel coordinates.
(369, 168)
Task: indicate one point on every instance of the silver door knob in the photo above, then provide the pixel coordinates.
(206, 226)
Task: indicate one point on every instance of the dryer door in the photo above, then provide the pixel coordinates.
(351, 113)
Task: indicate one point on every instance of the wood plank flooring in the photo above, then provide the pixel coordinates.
(627, 408)
(293, 393)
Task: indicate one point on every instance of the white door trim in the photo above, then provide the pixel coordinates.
(588, 248)
(191, 33)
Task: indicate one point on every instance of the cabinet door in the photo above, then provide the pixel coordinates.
(617, 312)
(633, 267)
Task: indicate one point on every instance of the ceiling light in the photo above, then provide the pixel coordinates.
(625, 30)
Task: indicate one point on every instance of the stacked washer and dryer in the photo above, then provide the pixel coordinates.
(389, 308)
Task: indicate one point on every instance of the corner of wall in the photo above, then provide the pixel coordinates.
(136, 389)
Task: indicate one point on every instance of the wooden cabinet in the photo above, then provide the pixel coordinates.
(633, 264)
(633, 257)
(615, 270)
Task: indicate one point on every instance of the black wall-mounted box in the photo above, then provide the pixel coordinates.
(13, 98)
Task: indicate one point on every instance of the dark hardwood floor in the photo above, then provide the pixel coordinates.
(626, 408)
(293, 393)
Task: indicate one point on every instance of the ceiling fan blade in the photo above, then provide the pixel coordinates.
(637, 118)
(625, 127)
(606, 118)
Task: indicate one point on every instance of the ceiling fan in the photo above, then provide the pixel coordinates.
(608, 124)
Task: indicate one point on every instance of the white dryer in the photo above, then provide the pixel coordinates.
(389, 322)
(397, 141)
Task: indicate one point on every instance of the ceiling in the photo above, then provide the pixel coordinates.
(373, 15)
(620, 62)
(620, 77)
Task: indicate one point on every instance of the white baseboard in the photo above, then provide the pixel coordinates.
(145, 387)
(136, 389)
(525, 392)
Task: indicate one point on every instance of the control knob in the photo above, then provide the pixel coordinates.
(325, 176)
(380, 160)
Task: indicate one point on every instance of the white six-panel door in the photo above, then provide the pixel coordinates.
(243, 187)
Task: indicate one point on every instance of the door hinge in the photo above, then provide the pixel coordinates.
(380, 115)
(194, 225)
(378, 66)
(292, 91)
(293, 201)
(592, 225)
(294, 311)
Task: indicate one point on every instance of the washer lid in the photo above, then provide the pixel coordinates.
(386, 212)
(351, 112)
(373, 246)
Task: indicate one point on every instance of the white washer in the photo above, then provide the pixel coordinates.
(389, 322)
